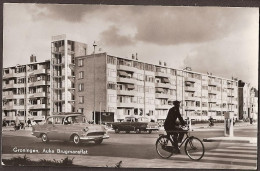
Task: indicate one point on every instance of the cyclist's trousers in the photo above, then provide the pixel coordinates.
(177, 137)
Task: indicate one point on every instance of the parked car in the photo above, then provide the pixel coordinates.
(138, 125)
(69, 127)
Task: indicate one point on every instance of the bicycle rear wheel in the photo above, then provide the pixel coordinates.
(194, 148)
(164, 147)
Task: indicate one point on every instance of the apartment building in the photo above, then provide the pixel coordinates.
(63, 53)
(128, 87)
(26, 91)
(248, 101)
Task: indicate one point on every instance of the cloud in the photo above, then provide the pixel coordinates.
(112, 37)
(70, 12)
(238, 60)
(155, 24)
(178, 25)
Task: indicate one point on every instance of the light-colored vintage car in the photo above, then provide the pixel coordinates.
(141, 124)
(69, 127)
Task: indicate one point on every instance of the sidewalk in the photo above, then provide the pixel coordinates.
(178, 161)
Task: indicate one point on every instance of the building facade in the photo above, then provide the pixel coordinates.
(128, 87)
(63, 53)
(73, 81)
(26, 91)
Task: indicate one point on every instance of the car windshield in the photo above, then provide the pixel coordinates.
(75, 119)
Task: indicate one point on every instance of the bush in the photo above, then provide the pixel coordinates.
(25, 161)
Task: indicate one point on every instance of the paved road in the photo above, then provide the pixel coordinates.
(142, 147)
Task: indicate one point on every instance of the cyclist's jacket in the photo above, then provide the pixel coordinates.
(170, 122)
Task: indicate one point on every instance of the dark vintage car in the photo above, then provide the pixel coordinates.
(138, 125)
(69, 127)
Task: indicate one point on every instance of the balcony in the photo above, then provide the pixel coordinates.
(190, 98)
(21, 85)
(126, 68)
(37, 83)
(162, 75)
(37, 106)
(8, 75)
(189, 79)
(212, 100)
(19, 96)
(40, 94)
(21, 74)
(190, 89)
(126, 80)
(10, 85)
(163, 106)
(19, 107)
(213, 108)
(9, 96)
(213, 83)
(191, 108)
(126, 92)
(165, 85)
(39, 71)
(231, 87)
(162, 96)
(8, 107)
(213, 91)
(126, 105)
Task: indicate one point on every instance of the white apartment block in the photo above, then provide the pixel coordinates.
(129, 87)
(26, 91)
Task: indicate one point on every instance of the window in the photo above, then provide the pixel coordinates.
(111, 86)
(81, 74)
(80, 62)
(81, 87)
(81, 99)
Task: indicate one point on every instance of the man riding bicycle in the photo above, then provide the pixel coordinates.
(171, 125)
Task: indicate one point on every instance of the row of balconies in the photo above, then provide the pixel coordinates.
(22, 74)
(21, 107)
(37, 83)
(21, 96)
(166, 85)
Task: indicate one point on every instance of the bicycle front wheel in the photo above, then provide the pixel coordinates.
(164, 147)
(194, 148)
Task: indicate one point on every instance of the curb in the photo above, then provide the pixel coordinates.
(250, 140)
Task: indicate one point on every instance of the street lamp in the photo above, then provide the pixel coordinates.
(94, 45)
(186, 68)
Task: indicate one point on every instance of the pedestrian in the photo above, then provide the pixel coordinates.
(170, 124)
(4, 122)
(17, 123)
(29, 123)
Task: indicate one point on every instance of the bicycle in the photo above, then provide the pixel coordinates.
(194, 147)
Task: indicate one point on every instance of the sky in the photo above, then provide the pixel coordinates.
(220, 40)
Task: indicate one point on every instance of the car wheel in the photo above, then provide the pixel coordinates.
(76, 139)
(98, 141)
(150, 131)
(127, 132)
(44, 138)
(137, 131)
(117, 131)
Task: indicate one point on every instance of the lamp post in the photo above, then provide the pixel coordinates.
(183, 89)
(94, 45)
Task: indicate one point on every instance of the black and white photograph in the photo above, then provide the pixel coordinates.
(130, 86)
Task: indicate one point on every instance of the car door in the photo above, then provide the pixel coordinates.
(56, 132)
